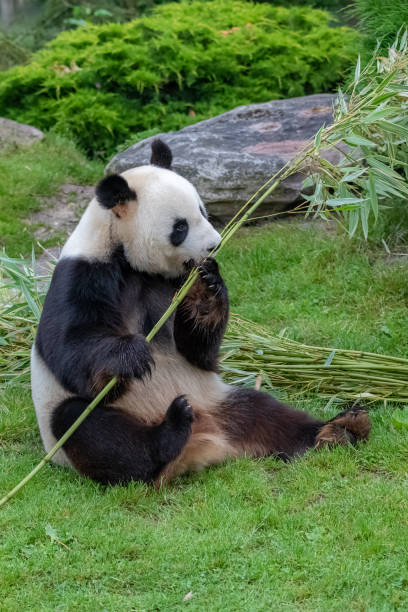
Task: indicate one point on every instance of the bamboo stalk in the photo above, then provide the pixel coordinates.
(285, 363)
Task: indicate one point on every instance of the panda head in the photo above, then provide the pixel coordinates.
(157, 216)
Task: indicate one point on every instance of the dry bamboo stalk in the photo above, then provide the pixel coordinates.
(347, 374)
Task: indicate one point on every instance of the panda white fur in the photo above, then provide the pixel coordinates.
(170, 411)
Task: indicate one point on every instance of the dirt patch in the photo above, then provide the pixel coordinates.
(61, 213)
(57, 218)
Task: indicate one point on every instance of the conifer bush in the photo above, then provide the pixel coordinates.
(104, 84)
(380, 20)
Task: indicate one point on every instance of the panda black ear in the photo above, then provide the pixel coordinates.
(113, 190)
(161, 154)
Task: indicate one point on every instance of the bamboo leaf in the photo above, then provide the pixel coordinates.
(374, 162)
(357, 71)
(385, 82)
(345, 201)
(387, 159)
(373, 195)
(309, 181)
(30, 301)
(328, 361)
(377, 114)
(394, 128)
(386, 247)
(348, 178)
(385, 189)
(364, 220)
(354, 217)
(403, 42)
(398, 188)
(346, 169)
(383, 97)
(318, 138)
(341, 102)
(359, 141)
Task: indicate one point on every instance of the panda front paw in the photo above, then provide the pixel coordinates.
(211, 277)
(125, 357)
(140, 362)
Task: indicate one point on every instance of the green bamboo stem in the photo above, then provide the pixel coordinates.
(178, 298)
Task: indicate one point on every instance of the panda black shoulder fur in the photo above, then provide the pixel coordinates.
(170, 412)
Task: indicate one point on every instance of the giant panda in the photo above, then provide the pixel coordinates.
(170, 411)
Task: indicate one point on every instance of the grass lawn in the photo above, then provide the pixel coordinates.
(29, 176)
(327, 532)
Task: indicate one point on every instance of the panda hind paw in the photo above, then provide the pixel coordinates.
(180, 412)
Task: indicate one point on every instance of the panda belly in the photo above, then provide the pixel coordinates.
(47, 393)
(172, 376)
(146, 400)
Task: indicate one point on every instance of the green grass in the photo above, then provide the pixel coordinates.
(327, 532)
(320, 286)
(28, 175)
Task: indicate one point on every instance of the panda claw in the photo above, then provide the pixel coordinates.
(212, 280)
(180, 412)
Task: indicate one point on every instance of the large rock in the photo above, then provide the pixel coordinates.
(18, 134)
(230, 156)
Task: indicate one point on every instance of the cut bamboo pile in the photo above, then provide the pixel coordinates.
(250, 350)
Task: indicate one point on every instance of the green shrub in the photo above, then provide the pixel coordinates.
(38, 21)
(186, 62)
(380, 20)
(327, 5)
(11, 52)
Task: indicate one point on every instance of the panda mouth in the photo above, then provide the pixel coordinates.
(191, 263)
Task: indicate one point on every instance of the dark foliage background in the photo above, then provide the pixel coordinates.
(104, 84)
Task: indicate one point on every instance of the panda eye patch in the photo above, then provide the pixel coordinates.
(179, 232)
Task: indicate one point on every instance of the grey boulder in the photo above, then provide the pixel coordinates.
(229, 157)
(19, 134)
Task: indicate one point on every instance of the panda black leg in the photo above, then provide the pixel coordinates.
(112, 447)
(256, 424)
(175, 429)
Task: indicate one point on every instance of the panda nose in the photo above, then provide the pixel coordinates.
(212, 247)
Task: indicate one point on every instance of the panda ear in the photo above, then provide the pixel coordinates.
(161, 154)
(114, 192)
